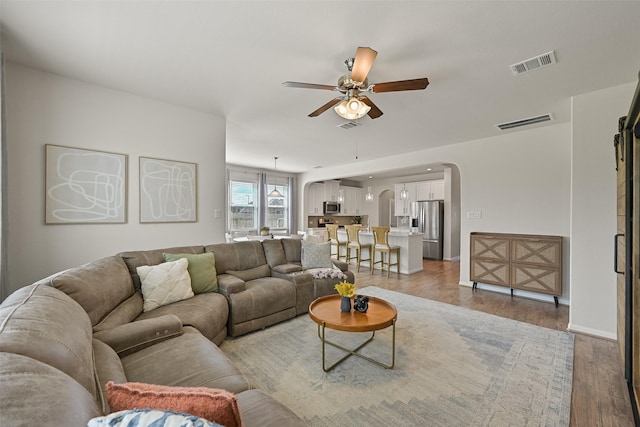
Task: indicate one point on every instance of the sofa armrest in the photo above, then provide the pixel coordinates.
(229, 284)
(343, 266)
(132, 337)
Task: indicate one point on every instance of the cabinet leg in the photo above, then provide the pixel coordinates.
(475, 286)
(511, 292)
(555, 299)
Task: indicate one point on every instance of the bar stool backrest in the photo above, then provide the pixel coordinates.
(380, 235)
(332, 229)
(353, 233)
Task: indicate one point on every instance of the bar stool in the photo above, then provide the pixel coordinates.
(332, 229)
(353, 243)
(381, 244)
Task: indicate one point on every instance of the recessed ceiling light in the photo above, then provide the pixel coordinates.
(428, 169)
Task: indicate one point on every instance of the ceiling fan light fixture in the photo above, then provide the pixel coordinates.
(352, 109)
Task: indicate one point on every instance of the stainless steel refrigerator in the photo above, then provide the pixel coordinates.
(430, 220)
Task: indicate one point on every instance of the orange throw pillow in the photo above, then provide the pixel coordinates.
(215, 405)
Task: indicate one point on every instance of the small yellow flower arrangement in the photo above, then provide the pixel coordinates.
(346, 289)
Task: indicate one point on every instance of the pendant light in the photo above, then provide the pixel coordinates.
(404, 194)
(369, 196)
(275, 192)
(341, 196)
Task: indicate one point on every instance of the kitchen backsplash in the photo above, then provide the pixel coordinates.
(322, 221)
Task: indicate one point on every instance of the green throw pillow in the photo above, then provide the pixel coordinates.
(202, 269)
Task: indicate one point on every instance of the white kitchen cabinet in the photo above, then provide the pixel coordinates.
(352, 204)
(403, 207)
(331, 191)
(315, 197)
(430, 190)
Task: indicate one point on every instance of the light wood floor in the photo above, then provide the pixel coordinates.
(599, 396)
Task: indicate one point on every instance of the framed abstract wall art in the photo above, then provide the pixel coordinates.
(168, 191)
(84, 186)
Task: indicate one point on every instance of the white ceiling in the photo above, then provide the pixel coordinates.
(229, 58)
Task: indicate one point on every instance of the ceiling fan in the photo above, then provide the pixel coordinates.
(352, 104)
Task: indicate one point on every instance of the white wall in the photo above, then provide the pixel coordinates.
(555, 179)
(520, 182)
(44, 109)
(593, 208)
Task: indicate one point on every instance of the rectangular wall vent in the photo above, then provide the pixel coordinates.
(539, 61)
(525, 122)
(349, 125)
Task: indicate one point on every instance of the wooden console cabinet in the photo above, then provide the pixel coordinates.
(518, 261)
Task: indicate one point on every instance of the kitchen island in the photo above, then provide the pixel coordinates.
(410, 248)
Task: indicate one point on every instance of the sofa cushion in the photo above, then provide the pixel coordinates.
(262, 297)
(316, 255)
(274, 252)
(252, 273)
(292, 250)
(287, 268)
(237, 256)
(134, 259)
(164, 283)
(150, 418)
(215, 405)
(255, 405)
(45, 324)
(189, 360)
(124, 313)
(202, 270)
(207, 312)
(98, 286)
(33, 393)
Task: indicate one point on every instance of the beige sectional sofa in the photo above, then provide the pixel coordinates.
(64, 337)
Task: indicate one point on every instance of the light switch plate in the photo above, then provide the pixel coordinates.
(474, 215)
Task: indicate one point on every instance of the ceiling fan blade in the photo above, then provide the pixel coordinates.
(362, 64)
(415, 84)
(325, 107)
(309, 86)
(375, 112)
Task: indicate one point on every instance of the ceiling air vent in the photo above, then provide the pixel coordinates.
(349, 125)
(539, 61)
(525, 122)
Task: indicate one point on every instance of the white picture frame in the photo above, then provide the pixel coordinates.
(168, 191)
(85, 186)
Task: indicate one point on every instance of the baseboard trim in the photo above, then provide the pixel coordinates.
(516, 292)
(597, 333)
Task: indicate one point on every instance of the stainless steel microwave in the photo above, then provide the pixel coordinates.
(331, 208)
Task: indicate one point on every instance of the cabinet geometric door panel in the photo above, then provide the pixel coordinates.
(536, 278)
(536, 251)
(487, 271)
(490, 247)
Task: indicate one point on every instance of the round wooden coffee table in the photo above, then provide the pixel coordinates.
(325, 311)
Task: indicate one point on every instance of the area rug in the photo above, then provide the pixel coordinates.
(454, 367)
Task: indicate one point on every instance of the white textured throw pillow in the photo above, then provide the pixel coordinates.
(150, 417)
(316, 255)
(164, 283)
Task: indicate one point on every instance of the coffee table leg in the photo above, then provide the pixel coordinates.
(354, 352)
